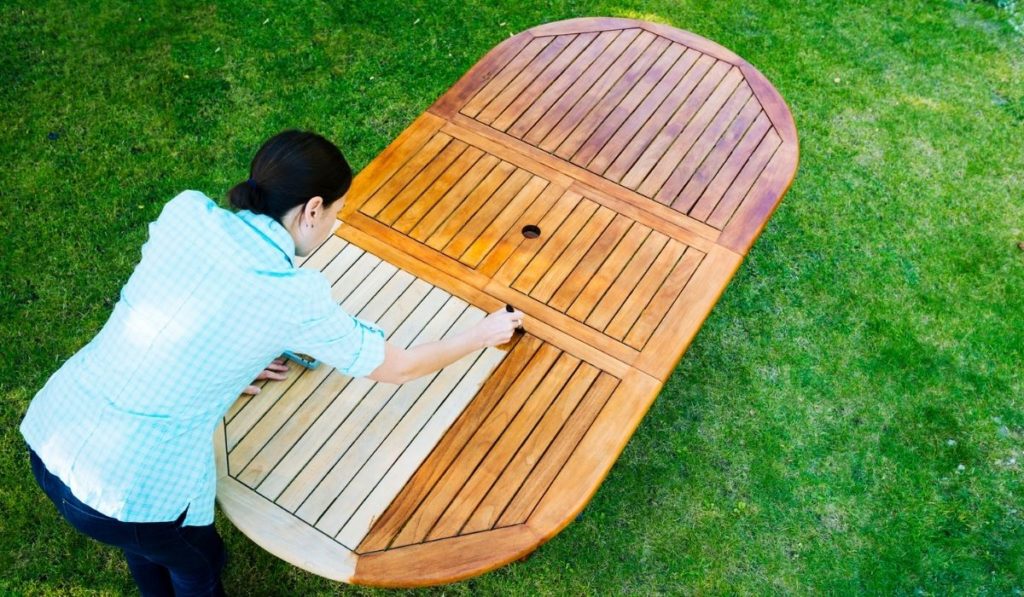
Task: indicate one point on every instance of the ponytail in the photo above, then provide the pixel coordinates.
(246, 195)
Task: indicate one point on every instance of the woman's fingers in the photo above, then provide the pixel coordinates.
(276, 370)
(268, 374)
(500, 326)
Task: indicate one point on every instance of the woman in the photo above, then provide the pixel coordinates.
(120, 437)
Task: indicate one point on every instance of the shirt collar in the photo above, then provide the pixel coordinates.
(273, 231)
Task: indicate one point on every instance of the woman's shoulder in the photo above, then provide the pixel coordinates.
(184, 203)
(191, 198)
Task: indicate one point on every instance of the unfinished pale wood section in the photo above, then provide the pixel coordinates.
(333, 451)
(650, 159)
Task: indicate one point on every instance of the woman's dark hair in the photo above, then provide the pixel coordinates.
(288, 170)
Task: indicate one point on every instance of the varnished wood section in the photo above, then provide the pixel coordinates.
(650, 159)
(672, 123)
(665, 114)
(599, 267)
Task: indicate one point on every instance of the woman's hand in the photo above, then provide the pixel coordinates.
(277, 369)
(497, 328)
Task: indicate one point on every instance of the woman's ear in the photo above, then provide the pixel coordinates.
(312, 210)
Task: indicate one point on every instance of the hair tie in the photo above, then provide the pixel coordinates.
(252, 183)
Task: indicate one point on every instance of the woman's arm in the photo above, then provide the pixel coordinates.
(405, 364)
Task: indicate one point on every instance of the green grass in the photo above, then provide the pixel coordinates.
(850, 418)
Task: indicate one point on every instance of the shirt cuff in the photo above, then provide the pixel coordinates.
(371, 351)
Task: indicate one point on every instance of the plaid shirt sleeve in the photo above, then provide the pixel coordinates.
(326, 332)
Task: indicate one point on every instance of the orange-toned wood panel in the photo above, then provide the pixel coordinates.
(661, 114)
(599, 268)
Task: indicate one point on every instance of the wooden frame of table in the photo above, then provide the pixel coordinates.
(650, 159)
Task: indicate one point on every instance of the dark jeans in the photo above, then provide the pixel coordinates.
(165, 558)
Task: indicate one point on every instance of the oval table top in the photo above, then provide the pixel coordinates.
(606, 177)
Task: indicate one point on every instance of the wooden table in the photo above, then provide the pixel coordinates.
(649, 159)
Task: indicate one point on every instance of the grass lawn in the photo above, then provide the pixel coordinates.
(849, 420)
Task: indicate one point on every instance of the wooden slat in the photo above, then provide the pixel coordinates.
(590, 461)
(501, 486)
(439, 164)
(275, 417)
(647, 119)
(727, 173)
(752, 215)
(524, 500)
(579, 84)
(556, 244)
(543, 81)
(363, 289)
(647, 147)
(499, 446)
(595, 130)
(323, 254)
(418, 449)
(422, 520)
(608, 272)
(636, 302)
(550, 222)
(269, 389)
(548, 104)
(583, 273)
(518, 190)
(437, 214)
(412, 214)
(673, 285)
(343, 261)
(270, 453)
(503, 78)
(514, 237)
(643, 50)
(744, 180)
(622, 288)
(488, 233)
(697, 182)
(690, 40)
(685, 154)
(515, 87)
(671, 338)
(410, 169)
(444, 453)
(377, 172)
(495, 179)
(575, 251)
(354, 476)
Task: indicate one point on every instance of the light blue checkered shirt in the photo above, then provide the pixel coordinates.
(127, 422)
